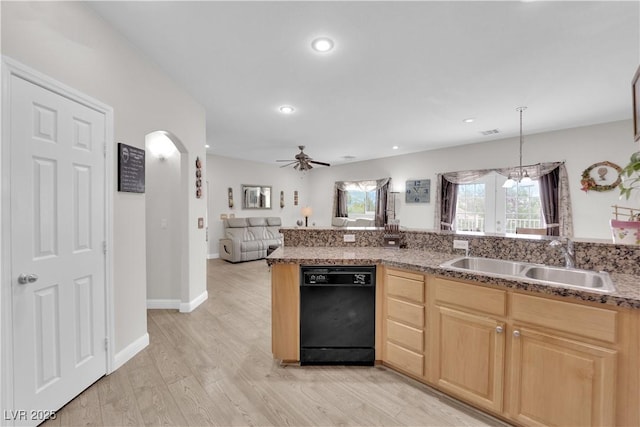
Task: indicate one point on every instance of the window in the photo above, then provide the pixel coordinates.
(470, 207)
(361, 199)
(485, 206)
(523, 207)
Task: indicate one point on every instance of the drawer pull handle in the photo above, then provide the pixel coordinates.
(499, 329)
(516, 333)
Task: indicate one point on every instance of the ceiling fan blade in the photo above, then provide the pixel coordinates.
(290, 160)
(319, 163)
(288, 164)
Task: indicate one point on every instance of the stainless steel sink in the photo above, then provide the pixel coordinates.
(569, 277)
(487, 265)
(584, 279)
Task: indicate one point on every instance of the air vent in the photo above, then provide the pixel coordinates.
(490, 132)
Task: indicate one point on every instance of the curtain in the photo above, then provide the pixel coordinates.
(549, 187)
(340, 200)
(446, 198)
(382, 198)
(555, 198)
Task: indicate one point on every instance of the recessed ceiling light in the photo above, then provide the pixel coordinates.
(469, 120)
(287, 109)
(322, 44)
(207, 146)
(395, 147)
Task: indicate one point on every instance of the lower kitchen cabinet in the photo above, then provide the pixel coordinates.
(468, 341)
(404, 321)
(470, 356)
(559, 381)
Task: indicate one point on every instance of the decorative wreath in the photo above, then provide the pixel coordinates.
(588, 183)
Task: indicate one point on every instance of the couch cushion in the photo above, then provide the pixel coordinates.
(235, 222)
(249, 246)
(242, 234)
(274, 221)
(339, 222)
(272, 233)
(257, 221)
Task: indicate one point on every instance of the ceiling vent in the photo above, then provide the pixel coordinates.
(489, 132)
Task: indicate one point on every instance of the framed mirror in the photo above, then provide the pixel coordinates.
(256, 196)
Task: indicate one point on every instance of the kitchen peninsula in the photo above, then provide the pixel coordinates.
(530, 353)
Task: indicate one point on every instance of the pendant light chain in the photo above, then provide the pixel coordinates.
(521, 109)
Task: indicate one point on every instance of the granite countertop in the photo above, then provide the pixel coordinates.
(627, 285)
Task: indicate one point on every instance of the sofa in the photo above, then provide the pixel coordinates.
(247, 239)
(349, 222)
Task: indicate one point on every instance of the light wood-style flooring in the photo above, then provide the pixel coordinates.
(214, 367)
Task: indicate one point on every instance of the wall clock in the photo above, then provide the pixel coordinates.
(418, 191)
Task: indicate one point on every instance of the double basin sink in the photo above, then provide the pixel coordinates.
(569, 277)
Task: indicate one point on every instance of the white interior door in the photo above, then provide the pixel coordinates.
(57, 256)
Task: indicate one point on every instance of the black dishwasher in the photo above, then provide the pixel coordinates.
(337, 315)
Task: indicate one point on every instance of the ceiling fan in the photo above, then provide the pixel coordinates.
(302, 161)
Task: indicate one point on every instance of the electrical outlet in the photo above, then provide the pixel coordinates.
(461, 244)
(349, 238)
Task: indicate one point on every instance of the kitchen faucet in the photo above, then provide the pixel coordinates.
(568, 252)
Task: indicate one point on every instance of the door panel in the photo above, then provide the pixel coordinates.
(557, 381)
(470, 355)
(57, 234)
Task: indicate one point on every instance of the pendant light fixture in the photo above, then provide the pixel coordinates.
(523, 176)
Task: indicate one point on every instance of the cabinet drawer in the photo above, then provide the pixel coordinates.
(406, 336)
(491, 301)
(405, 359)
(406, 312)
(406, 287)
(582, 320)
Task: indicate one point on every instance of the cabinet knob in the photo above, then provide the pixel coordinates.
(516, 333)
(499, 329)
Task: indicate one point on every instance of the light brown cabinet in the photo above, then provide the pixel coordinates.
(533, 360)
(563, 363)
(468, 342)
(404, 321)
(560, 382)
(470, 357)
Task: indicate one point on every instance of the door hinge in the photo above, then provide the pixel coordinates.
(106, 344)
(104, 247)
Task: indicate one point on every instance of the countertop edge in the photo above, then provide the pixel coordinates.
(342, 256)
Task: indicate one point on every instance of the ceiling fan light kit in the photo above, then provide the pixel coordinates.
(302, 161)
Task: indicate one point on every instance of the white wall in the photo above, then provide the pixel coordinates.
(223, 172)
(164, 227)
(579, 147)
(70, 43)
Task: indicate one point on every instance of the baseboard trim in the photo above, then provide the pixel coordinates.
(163, 304)
(129, 351)
(188, 307)
(213, 256)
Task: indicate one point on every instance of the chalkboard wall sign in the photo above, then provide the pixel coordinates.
(130, 169)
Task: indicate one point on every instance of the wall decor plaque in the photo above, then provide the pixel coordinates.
(130, 169)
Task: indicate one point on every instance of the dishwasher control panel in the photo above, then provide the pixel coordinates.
(338, 275)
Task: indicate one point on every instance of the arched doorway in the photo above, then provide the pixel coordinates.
(166, 220)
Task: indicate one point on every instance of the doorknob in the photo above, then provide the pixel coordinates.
(23, 279)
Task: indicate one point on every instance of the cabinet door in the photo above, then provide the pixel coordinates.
(557, 381)
(470, 353)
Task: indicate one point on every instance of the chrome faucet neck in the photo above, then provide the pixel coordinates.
(568, 252)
